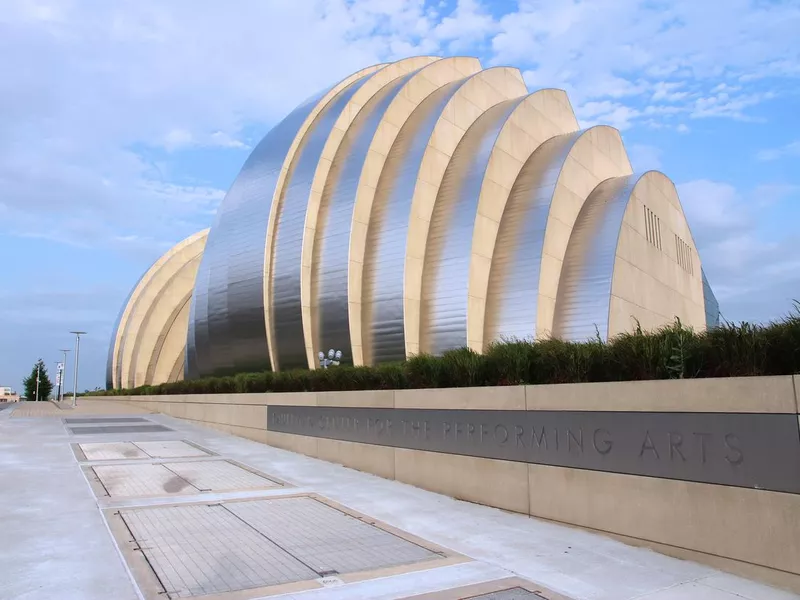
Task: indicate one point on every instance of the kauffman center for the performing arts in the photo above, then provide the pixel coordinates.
(415, 207)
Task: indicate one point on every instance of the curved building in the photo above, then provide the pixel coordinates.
(413, 207)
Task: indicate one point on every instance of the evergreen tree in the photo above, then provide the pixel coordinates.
(45, 386)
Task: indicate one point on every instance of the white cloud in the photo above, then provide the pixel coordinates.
(644, 157)
(724, 105)
(769, 194)
(178, 138)
(713, 205)
(668, 91)
(224, 140)
(606, 112)
(752, 268)
(792, 149)
(469, 23)
(678, 52)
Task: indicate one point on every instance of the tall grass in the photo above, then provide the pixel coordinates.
(672, 352)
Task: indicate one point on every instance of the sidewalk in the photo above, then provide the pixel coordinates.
(134, 506)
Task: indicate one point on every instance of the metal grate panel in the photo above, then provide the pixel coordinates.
(326, 539)
(197, 550)
(213, 549)
(516, 593)
(118, 429)
(91, 420)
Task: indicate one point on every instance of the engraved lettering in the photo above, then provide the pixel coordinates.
(702, 437)
(648, 445)
(578, 440)
(538, 441)
(704, 447)
(519, 431)
(602, 446)
(675, 441)
(732, 444)
(502, 428)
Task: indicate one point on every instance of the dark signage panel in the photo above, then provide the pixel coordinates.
(759, 451)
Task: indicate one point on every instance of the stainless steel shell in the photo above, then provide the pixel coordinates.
(383, 319)
(227, 331)
(285, 302)
(329, 280)
(443, 319)
(584, 292)
(512, 299)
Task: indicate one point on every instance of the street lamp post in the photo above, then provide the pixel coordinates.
(36, 399)
(333, 359)
(63, 383)
(78, 335)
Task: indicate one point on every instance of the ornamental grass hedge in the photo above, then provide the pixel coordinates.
(672, 352)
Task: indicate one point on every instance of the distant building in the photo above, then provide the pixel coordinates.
(7, 394)
(416, 207)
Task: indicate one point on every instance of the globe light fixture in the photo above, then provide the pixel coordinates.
(333, 358)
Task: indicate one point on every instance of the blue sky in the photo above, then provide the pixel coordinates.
(123, 123)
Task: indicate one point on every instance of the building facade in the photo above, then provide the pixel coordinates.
(416, 207)
(7, 394)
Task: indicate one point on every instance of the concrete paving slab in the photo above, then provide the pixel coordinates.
(512, 588)
(55, 543)
(129, 481)
(112, 451)
(219, 476)
(132, 480)
(171, 449)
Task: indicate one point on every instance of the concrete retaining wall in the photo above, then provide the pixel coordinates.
(747, 438)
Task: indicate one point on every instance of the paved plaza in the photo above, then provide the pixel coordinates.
(107, 501)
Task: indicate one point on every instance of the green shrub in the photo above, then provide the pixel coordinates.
(672, 352)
